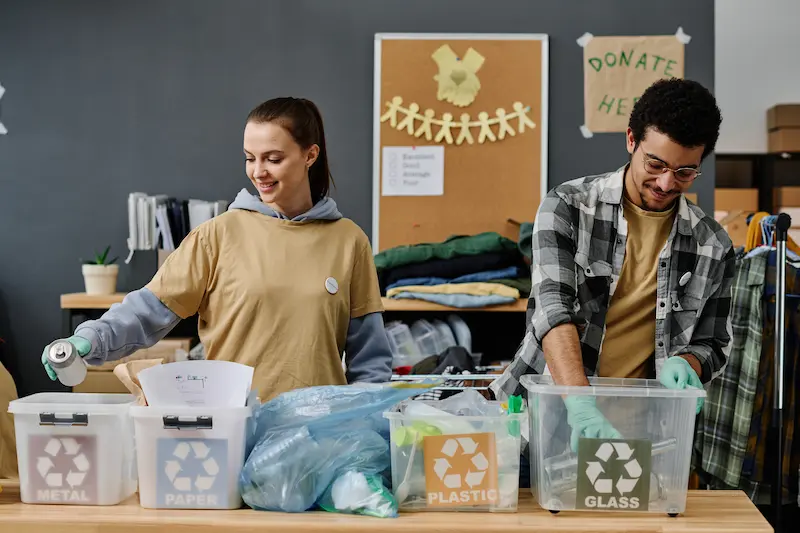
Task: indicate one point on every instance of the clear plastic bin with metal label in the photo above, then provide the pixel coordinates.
(75, 449)
(646, 470)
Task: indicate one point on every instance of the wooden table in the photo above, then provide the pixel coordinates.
(707, 512)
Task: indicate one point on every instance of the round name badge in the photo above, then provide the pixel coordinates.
(331, 285)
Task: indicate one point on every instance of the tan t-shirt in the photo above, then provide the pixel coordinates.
(629, 342)
(258, 284)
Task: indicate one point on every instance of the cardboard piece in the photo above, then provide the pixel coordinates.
(104, 382)
(128, 375)
(617, 70)
(735, 224)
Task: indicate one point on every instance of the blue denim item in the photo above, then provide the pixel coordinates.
(506, 273)
(461, 301)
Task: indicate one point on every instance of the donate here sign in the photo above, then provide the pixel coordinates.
(617, 70)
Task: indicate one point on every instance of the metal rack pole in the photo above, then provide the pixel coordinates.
(781, 233)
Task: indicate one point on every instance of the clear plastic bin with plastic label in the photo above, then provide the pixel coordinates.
(647, 470)
(75, 449)
(191, 457)
(443, 462)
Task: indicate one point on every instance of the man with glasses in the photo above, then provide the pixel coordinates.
(630, 279)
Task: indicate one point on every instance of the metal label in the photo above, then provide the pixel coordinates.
(63, 469)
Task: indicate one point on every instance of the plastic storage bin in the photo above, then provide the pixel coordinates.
(645, 471)
(190, 457)
(75, 449)
(473, 465)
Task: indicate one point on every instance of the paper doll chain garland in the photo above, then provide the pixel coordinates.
(464, 125)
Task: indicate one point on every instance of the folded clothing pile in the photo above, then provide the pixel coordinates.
(462, 271)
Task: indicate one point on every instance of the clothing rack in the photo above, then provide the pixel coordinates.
(782, 225)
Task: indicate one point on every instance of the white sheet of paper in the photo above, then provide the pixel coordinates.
(413, 171)
(197, 384)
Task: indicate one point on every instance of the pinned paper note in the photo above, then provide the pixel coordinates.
(413, 171)
(617, 70)
(197, 384)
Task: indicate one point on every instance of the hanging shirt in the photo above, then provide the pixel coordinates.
(724, 425)
(629, 344)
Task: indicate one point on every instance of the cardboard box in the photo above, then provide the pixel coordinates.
(164, 349)
(783, 116)
(101, 382)
(736, 200)
(786, 196)
(783, 128)
(784, 140)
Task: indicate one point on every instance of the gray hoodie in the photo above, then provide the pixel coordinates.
(141, 320)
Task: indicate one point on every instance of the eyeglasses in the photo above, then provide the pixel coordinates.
(657, 168)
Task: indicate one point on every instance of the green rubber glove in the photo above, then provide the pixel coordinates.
(82, 346)
(586, 420)
(679, 374)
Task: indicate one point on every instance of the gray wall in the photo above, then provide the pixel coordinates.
(106, 97)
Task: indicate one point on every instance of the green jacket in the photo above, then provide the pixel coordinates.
(455, 246)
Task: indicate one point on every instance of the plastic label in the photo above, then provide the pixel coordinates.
(461, 470)
(192, 473)
(613, 474)
(63, 469)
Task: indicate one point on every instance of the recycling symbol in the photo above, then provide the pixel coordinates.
(630, 473)
(199, 451)
(65, 451)
(476, 471)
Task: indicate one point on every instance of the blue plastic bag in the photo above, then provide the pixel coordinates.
(308, 438)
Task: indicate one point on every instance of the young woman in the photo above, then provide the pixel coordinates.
(280, 282)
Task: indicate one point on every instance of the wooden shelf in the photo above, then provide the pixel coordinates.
(81, 300)
(389, 304)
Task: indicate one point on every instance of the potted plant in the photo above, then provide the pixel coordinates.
(100, 274)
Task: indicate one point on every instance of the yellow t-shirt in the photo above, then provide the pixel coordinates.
(629, 342)
(8, 440)
(260, 286)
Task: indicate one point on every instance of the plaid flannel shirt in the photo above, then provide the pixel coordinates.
(724, 425)
(578, 248)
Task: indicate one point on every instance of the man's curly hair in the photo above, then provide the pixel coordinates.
(683, 110)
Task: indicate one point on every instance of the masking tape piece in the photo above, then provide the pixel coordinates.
(682, 36)
(584, 39)
(586, 132)
(3, 129)
(2, 91)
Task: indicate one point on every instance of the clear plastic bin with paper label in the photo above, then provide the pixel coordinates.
(443, 462)
(190, 457)
(647, 470)
(75, 449)
(191, 438)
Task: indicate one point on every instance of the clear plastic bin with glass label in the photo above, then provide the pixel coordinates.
(647, 470)
(443, 462)
(75, 449)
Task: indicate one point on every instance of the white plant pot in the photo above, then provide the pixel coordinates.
(100, 279)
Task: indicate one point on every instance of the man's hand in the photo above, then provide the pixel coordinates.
(586, 420)
(562, 351)
(679, 373)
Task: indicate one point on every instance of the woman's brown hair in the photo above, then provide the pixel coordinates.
(302, 119)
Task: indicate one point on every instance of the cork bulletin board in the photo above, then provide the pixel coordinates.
(461, 120)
